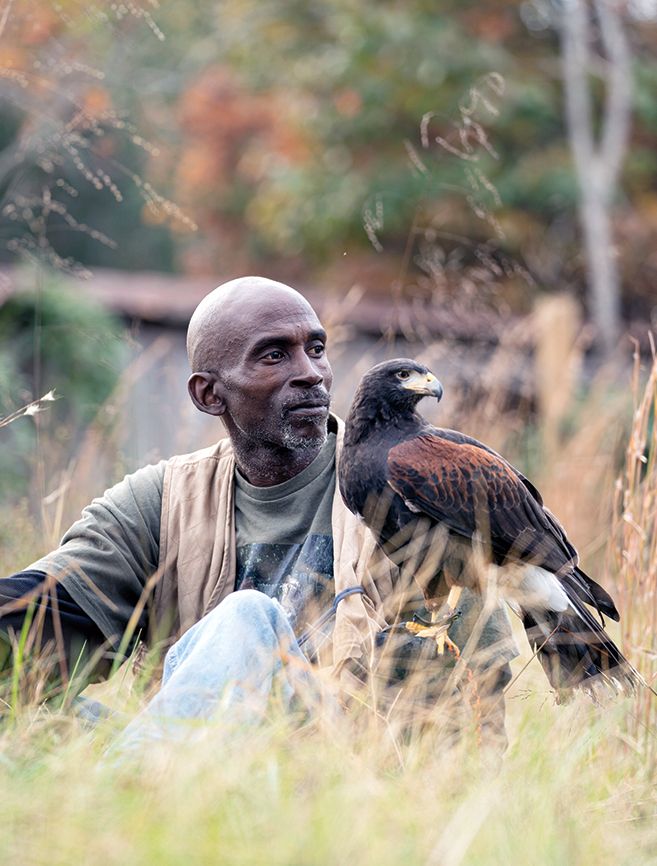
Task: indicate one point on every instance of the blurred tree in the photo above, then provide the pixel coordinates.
(71, 165)
(304, 138)
(426, 141)
(330, 104)
(52, 339)
(598, 164)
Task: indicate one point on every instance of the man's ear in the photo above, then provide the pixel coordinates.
(205, 391)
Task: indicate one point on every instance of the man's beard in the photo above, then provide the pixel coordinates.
(296, 441)
(293, 438)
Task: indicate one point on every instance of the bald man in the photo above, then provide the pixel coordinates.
(162, 555)
(258, 356)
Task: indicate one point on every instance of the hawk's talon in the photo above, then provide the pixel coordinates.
(444, 643)
(437, 629)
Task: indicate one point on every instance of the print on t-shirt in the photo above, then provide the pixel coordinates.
(299, 576)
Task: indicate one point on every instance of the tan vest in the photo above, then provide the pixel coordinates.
(198, 553)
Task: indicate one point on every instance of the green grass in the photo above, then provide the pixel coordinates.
(573, 789)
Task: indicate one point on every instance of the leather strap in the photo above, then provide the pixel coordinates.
(325, 617)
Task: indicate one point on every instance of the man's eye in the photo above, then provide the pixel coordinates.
(317, 350)
(403, 374)
(274, 355)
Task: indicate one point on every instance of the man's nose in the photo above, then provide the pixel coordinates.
(307, 372)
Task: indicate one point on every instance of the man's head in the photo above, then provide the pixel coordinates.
(258, 356)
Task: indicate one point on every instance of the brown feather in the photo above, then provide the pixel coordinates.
(472, 490)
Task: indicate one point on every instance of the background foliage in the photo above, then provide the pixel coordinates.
(290, 134)
(52, 339)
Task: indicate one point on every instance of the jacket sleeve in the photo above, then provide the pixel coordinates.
(106, 557)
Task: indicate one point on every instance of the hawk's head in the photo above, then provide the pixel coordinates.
(400, 384)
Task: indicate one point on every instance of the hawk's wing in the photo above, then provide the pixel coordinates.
(470, 489)
(555, 526)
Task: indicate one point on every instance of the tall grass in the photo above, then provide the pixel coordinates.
(571, 791)
(577, 785)
(634, 550)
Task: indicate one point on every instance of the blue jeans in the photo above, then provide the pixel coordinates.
(226, 668)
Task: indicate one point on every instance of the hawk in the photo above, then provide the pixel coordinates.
(468, 510)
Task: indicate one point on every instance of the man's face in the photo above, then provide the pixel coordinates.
(275, 377)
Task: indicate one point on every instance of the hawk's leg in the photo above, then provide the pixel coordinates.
(446, 613)
(441, 619)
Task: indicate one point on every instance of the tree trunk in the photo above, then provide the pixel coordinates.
(597, 162)
(603, 279)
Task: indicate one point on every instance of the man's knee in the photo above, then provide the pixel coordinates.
(246, 608)
(240, 623)
(248, 603)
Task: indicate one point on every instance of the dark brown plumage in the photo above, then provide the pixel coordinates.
(400, 473)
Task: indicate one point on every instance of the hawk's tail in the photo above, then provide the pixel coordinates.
(576, 652)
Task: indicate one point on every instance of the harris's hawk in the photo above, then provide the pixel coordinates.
(410, 480)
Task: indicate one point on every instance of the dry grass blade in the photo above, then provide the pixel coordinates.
(32, 408)
(634, 548)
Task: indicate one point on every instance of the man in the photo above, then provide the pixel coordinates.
(161, 554)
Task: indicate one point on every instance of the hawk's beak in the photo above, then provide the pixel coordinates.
(425, 384)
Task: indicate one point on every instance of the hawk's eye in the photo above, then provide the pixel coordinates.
(403, 374)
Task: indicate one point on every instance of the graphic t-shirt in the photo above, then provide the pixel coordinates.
(284, 539)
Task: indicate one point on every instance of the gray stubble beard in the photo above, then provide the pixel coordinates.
(296, 441)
